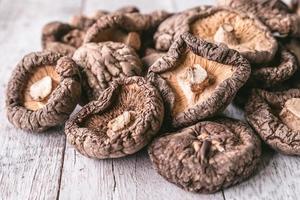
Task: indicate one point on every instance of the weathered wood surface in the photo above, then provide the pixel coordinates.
(45, 167)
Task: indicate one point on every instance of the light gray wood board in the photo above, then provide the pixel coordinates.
(91, 6)
(30, 165)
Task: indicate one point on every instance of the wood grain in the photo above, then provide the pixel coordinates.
(30, 164)
(41, 167)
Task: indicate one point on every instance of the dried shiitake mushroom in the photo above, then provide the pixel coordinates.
(121, 122)
(84, 22)
(273, 13)
(283, 67)
(197, 79)
(65, 38)
(125, 28)
(101, 63)
(62, 38)
(276, 118)
(208, 156)
(43, 91)
(237, 30)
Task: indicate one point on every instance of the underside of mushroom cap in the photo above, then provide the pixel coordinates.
(227, 26)
(273, 13)
(125, 28)
(43, 91)
(187, 100)
(122, 121)
(207, 156)
(273, 117)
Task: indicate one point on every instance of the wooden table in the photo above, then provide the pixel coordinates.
(44, 166)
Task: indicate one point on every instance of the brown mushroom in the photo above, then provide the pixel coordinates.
(207, 156)
(125, 28)
(273, 13)
(62, 38)
(104, 62)
(65, 38)
(42, 92)
(197, 79)
(282, 68)
(227, 26)
(275, 117)
(121, 122)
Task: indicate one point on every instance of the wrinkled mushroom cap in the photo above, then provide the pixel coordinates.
(61, 38)
(208, 156)
(273, 117)
(273, 13)
(187, 101)
(282, 68)
(122, 121)
(227, 26)
(125, 28)
(104, 62)
(42, 92)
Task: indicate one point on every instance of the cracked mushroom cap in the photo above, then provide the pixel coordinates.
(101, 63)
(275, 116)
(125, 28)
(282, 68)
(207, 156)
(238, 31)
(43, 91)
(121, 122)
(197, 79)
(273, 13)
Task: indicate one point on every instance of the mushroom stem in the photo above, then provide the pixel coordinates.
(290, 114)
(225, 34)
(41, 89)
(197, 78)
(120, 122)
(133, 40)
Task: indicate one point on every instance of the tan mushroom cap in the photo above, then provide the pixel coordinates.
(197, 79)
(43, 91)
(121, 122)
(275, 117)
(238, 31)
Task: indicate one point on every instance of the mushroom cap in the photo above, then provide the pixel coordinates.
(257, 48)
(116, 27)
(231, 71)
(207, 156)
(101, 63)
(262, 113)
(61, 38)
(89, 130)
(62, 100)
(282, 68)
(273, 13)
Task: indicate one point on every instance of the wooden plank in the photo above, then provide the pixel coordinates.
(277, 178)
(182, 5)
(91, 6)
(30, 165)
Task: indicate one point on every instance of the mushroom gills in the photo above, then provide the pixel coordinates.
(225, 34)
(290, 114)
(122, 121)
